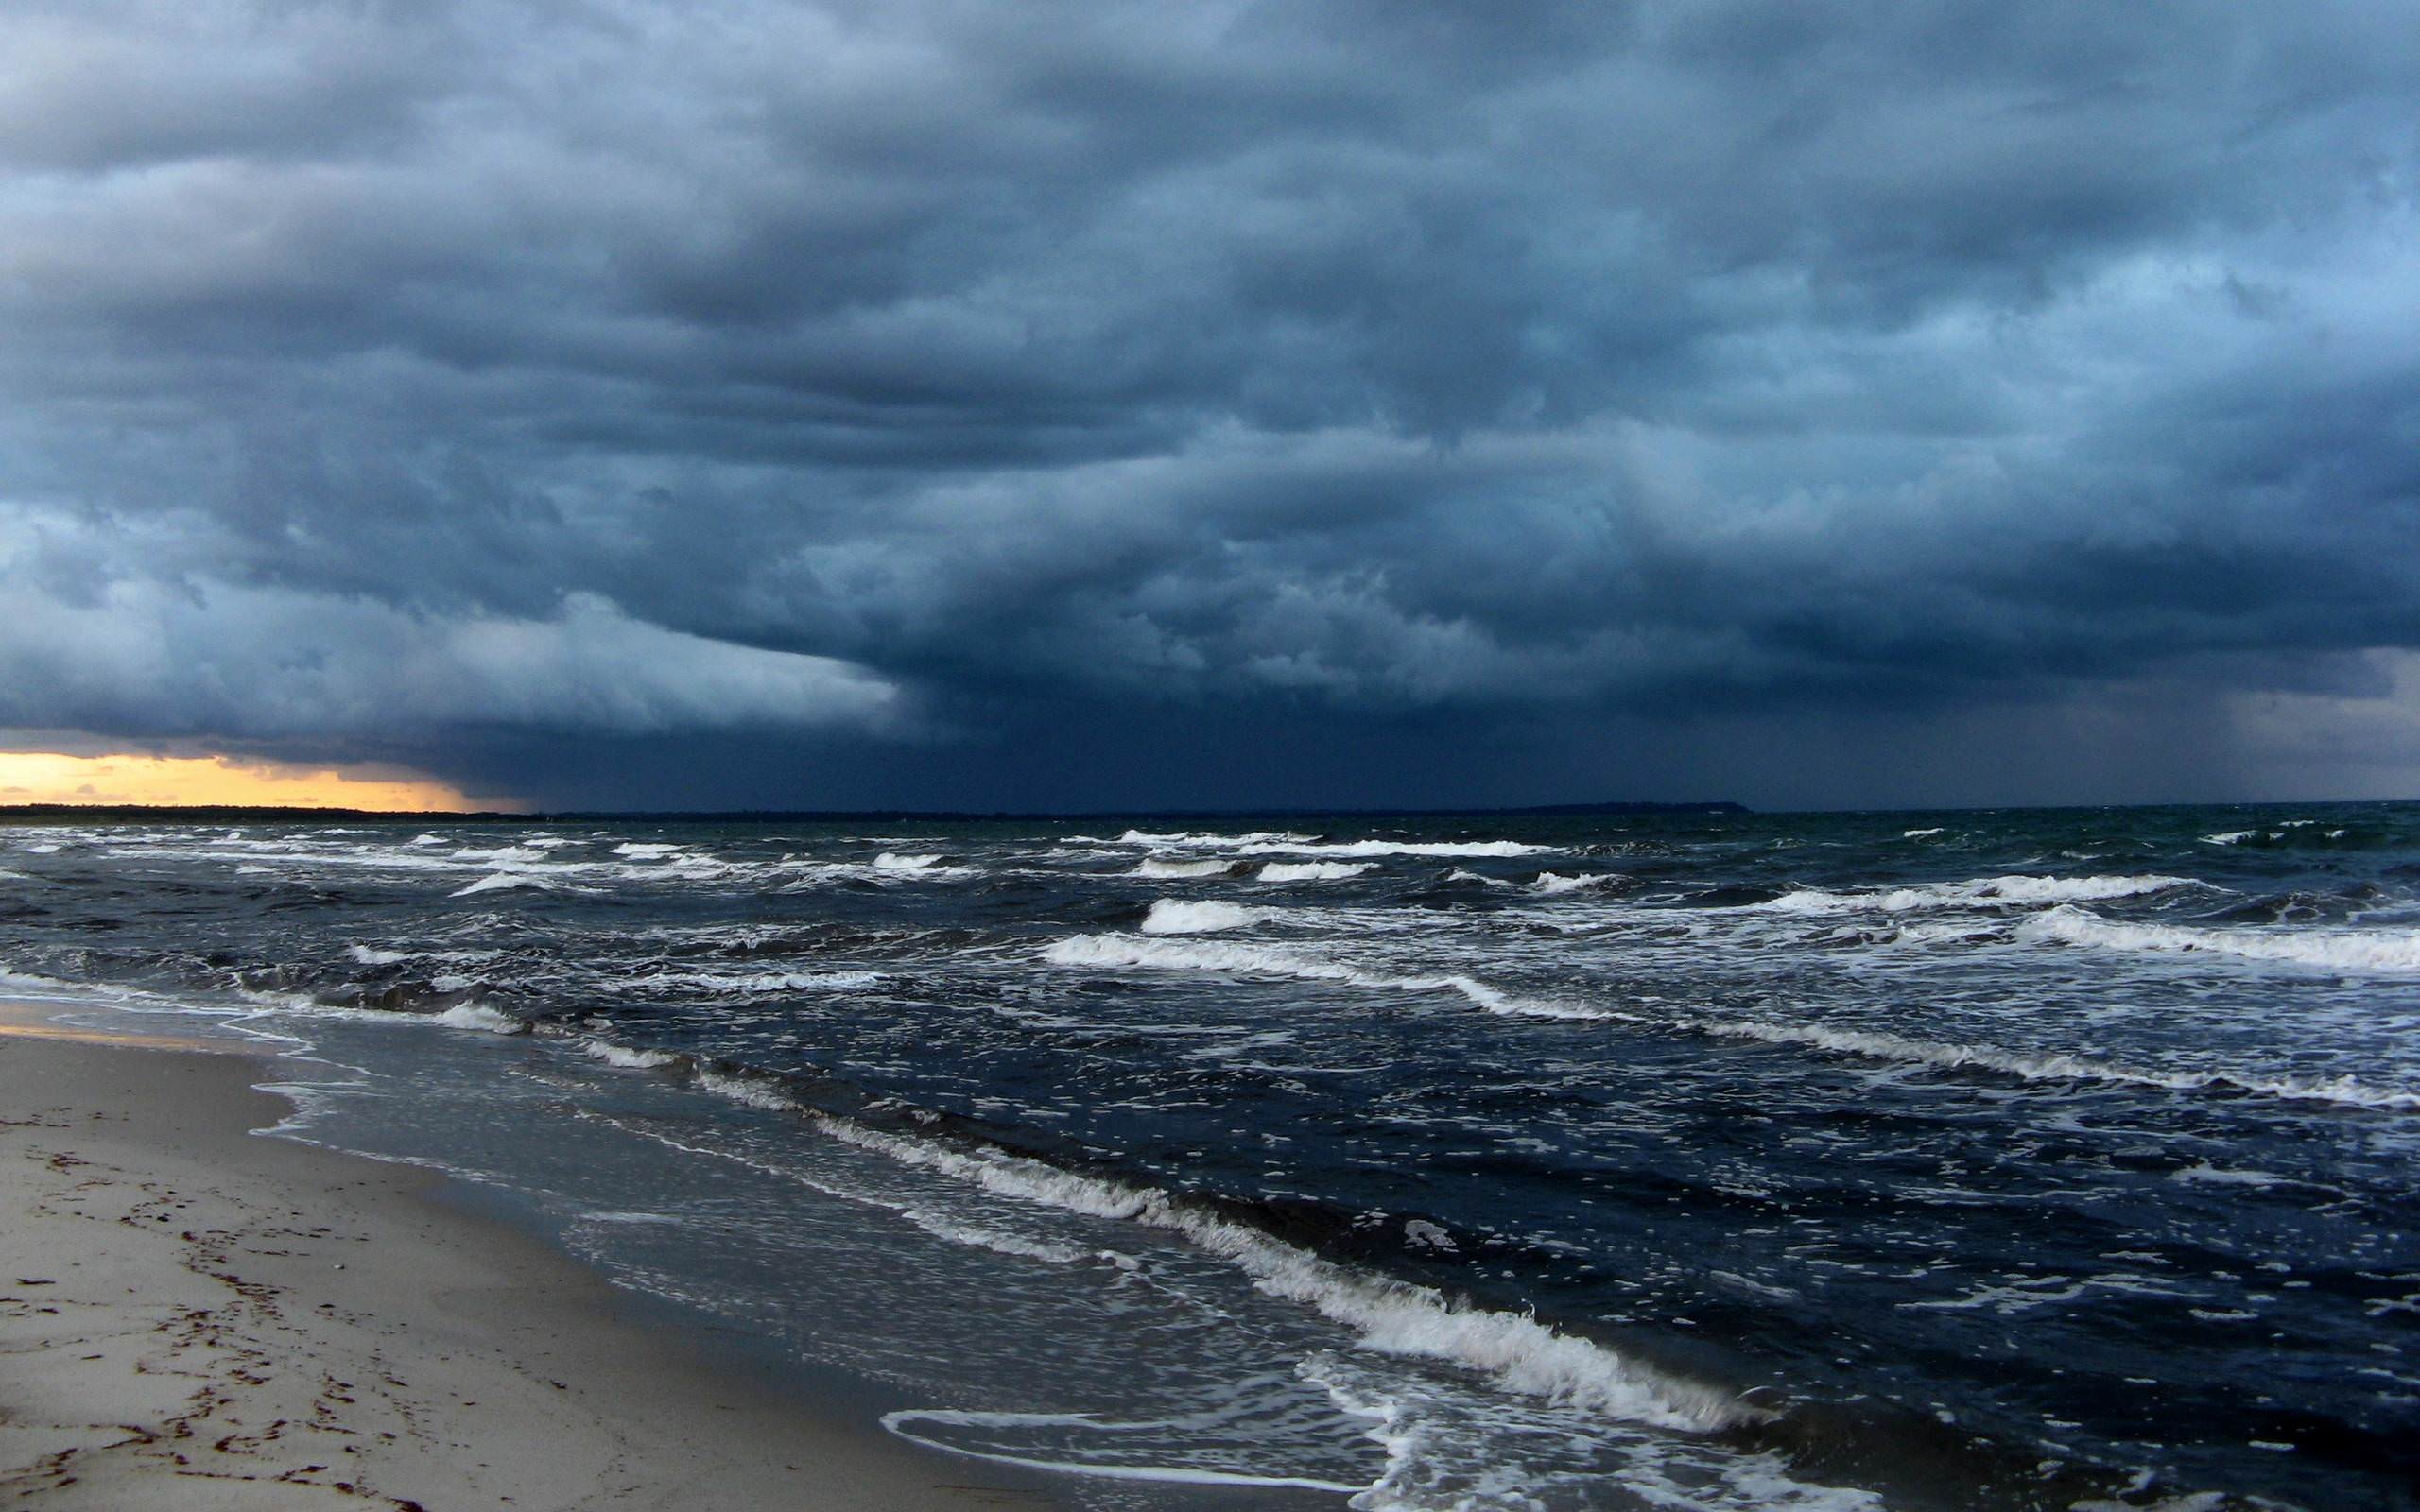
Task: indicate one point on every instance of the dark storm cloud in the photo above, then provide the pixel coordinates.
(946, 389)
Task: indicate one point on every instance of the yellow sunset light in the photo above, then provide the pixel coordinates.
(48, 777)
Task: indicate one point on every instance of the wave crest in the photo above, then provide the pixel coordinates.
(1311, 870)
(1170, 916)
(2342, 950)
(1162, 867)
(1982, 892)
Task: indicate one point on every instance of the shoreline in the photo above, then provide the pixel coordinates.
(194, 1316)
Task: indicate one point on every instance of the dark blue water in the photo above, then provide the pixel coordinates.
(1969, 1159)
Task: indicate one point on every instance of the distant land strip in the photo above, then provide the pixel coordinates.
(273, 813)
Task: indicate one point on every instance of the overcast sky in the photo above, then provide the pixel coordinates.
(977, 404)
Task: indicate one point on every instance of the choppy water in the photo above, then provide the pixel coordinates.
(1967, 1160)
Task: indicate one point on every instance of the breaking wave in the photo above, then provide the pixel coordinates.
(1400, 847)
(1172, 916)
(1193, 839)
(1553, 884)
(1265, 842)
(2342, 950)
(503, 881)
(1311, 870)
(1161, 866)
(1981, 892)
(624, 1056)
(479, 1016)
(1129, 952)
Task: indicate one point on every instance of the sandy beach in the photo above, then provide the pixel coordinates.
(192, 1317)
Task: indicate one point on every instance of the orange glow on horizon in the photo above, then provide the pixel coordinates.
(47, 777)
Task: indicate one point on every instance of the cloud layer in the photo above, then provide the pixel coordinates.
(1083, 403)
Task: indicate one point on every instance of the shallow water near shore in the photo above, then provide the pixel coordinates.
(1970, 1159)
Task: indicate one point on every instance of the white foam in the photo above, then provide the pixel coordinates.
(2230, 838)
(1220, 842)
(692, 868)
(638, 850)
(503, 881)
(479, 1016)
(368, 956)
(2056, 1066)
(904, 1423)
(1312, 870)
(1919, 834)
(1949, 931)
(982, 1236)
(1979, 892)
(1400, 847)
(1129, 952)
(1552, 884)
(1172, 916)
(2342, 950)
(893, 861)
(613, 1055)
(366, 857)
(1266, 842)
(1447, 1462)
(28, 983)
(741, 1089)
(1160, 866)
(2214, 1176)
(509, 852)
(1132, 952)
(753, 981)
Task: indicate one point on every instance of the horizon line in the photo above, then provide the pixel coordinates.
(256, 811)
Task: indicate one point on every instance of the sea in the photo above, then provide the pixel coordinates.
(2003, 1158)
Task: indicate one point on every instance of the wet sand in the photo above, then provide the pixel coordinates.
(194, 1317)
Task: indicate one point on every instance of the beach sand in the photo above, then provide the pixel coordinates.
(194, 1317)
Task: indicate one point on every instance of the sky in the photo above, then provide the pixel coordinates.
(931, 403)
(106, 778)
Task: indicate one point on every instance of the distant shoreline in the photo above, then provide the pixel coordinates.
(253, 813)
(259, 813)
